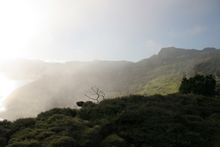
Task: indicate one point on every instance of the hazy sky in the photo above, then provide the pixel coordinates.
(105, 29)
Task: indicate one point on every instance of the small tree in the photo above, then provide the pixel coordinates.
(96, 94)
(199, 84)
(185, 86)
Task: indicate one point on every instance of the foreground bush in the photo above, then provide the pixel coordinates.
(154, 121)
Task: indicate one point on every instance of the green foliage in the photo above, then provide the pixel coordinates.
(63, 141)
(148, 121)
(3, 141)
(5, 132)
(23, 123)
(113, 140)
(199, 84)
(26, 143)
(65, 111)
(218, 86)
(162, 85)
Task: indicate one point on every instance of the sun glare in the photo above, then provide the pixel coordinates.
(6, 88)
(17, 27)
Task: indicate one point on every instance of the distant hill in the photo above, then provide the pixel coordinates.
(62, 84)
(137, 121)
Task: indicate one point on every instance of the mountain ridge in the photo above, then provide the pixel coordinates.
(62, 84)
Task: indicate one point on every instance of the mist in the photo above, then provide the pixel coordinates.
(49, 85)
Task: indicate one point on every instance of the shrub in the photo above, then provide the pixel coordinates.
(113, 140)
(199, 84)
(3, 141)
(80, 103)
(64, 111)
(22, 123)
(26, 143)
(63, 141)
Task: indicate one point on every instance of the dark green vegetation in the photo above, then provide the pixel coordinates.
(135, 121)
(199, 84)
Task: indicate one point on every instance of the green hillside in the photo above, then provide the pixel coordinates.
(62, 84)
(162, 85)
(133, 121)
(163, 72)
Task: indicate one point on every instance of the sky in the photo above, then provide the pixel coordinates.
(63, 30)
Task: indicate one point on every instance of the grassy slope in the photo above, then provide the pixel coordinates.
(166, 84)
(164, 121)
(162, 85)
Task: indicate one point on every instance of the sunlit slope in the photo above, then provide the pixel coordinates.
(162, 73)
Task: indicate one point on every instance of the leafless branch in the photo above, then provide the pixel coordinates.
(96, 94)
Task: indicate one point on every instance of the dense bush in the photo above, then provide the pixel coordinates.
(63, 141)
(199, 84)
(154, 121)
(26, 143)
(65, 111)
(23, 123)
(113, 140)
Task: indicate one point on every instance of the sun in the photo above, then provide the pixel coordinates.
(18, 25)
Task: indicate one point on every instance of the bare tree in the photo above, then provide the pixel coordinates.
(96, 94)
